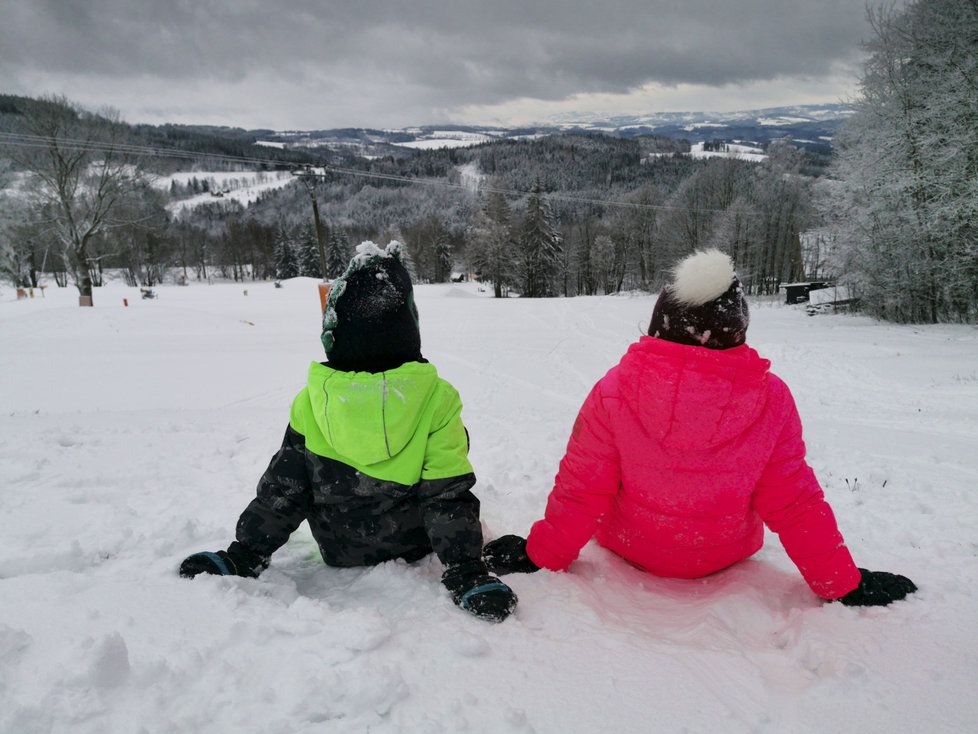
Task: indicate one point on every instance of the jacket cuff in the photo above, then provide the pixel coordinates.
(838, 584)
(541, 552)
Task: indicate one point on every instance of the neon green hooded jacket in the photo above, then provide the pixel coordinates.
(403, 426)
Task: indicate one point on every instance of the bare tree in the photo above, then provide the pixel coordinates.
(79, 172)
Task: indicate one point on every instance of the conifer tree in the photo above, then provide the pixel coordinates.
(539, 249)
(308, 247)
(492, 255)
(338, 253)
(443, 258)
(286, 263)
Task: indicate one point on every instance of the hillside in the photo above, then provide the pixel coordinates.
(185, 400)
(620, 207)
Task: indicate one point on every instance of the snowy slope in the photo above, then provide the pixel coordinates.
(734, 150)
(132, 437)
(243, 187)
(435, 139)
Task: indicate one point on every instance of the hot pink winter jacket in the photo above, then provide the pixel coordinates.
(677, 457)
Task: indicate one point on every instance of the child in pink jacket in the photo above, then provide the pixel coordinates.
(685, 450)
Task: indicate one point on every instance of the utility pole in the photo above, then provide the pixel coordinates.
(308, 179)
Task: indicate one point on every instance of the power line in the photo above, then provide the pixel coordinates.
(94, 146)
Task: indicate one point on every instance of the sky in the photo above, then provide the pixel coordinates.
(305, 64)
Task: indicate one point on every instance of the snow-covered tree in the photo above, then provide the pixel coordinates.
(443, 258)
(307, 250)
(10, 261)
(286, 262)
(492, 253)
(338, 253)
(81, 173)
(603, 263)
(904, 209)
(539, 259)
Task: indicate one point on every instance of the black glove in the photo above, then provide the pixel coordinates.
(478, 593)
(235, 561)
(508, 555)
(877, 589)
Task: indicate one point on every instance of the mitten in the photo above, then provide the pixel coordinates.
(478, 593)
(508, 555)
(877, 589)
(237, 560)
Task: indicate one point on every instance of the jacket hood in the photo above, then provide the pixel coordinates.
(688, 396)
(370, 417)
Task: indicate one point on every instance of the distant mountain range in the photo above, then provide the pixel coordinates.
(810, 126)
(771, 116)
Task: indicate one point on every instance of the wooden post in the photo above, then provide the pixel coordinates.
(85, 301)
(320, 236)
(309, 181)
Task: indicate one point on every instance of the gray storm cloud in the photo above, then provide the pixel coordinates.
(331, 62)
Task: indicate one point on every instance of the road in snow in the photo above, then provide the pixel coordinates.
(130, 438)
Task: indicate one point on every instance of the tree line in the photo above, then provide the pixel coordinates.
(637, 205)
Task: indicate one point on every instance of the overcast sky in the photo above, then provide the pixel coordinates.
(316, 64)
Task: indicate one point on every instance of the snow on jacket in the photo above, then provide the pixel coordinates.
(678, 458)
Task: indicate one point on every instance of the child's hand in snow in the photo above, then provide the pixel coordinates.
(508, 555)
(235, 561)
(478, 593)
(878, 588)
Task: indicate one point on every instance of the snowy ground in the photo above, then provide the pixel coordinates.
(130, 438)
(244, 187)
(446, 139)
(734, 150)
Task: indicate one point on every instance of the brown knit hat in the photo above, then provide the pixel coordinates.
(703, 305)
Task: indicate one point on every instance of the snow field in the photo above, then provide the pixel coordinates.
(446, 139)
(130, 438)
(243, 186)
(734, 150)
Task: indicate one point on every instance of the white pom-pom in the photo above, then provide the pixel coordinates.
(701, 277)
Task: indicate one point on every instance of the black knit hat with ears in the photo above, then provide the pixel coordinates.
(371, 322)
(703, 305)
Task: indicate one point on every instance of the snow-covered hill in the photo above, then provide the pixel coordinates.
(131, 437)
(243, 187)
(811, 125)
(768, 116)
(729, 150)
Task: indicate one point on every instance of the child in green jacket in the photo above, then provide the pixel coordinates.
(375, 457)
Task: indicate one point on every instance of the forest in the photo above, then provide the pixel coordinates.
(558, 215)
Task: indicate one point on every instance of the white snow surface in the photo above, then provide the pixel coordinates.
(470, 176)
(242, 186)
(367, 250)
(785, 120)
(734, 150)
(132, 437)
(447, 139)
